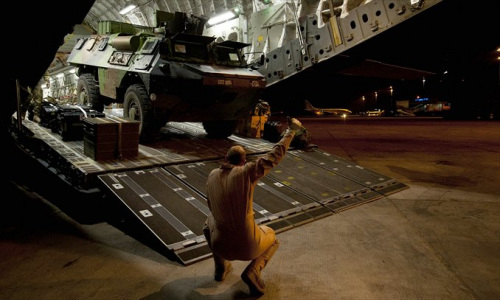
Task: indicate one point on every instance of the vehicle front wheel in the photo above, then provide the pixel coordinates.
(138, 107)
(87, 92)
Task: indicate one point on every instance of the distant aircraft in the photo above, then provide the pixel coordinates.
(341, 112)
(375, 113)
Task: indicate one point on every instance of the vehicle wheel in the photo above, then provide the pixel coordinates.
(87, 92)
(137, 106)
(219, 129)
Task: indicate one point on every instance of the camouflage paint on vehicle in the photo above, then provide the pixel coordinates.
(167, 73)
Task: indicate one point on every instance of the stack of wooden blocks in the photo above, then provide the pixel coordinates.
(110, 138)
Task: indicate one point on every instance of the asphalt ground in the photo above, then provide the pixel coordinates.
(438, 239)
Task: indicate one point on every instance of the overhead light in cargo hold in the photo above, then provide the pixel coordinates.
(225, 16)
(127, 9)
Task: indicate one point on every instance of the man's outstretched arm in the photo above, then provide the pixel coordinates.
(272, 158)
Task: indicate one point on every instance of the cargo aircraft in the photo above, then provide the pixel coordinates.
(340, 112)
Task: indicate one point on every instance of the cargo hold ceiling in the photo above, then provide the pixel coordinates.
(144, 11)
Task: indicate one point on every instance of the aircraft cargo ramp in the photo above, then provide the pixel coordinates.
(324, 35)
(164, 187)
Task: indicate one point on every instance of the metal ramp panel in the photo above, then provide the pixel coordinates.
(322, 185)
(306, 186)
(375, 181)
(360, 185)
(275, 204)
(172, 211)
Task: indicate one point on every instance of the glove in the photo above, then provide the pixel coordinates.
(294, 124)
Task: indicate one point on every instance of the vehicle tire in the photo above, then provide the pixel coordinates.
(219, 129)
(87, 92)
(138, 107)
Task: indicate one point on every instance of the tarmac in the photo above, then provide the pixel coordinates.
(437, 239)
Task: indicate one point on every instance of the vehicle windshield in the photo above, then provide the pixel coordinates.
(229, 53)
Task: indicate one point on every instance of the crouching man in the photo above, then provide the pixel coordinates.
(230, 229)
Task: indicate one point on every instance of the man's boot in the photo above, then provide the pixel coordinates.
(222, 266)
(251, 274)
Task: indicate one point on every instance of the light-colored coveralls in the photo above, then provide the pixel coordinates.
(233, 233)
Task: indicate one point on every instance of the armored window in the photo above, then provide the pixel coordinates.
(102, 44)
(187, 46)
(149, 46)
(229, 53)
(90, 44)
(79, 43)
(120, 58)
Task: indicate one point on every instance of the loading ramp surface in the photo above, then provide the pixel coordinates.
(164, 187)
(171, 200)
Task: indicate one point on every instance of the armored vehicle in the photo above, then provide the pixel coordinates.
(170, 72)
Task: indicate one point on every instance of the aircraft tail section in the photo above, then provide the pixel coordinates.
(308, 105)
(311, 109)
